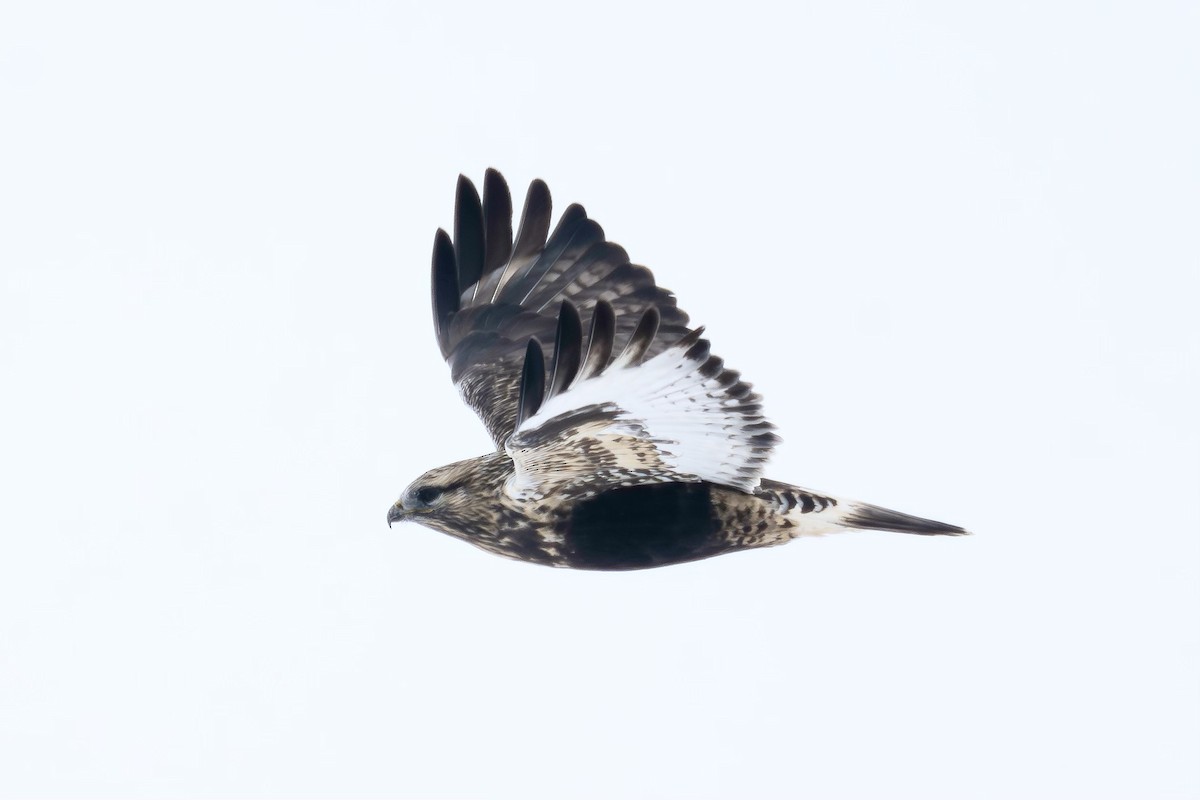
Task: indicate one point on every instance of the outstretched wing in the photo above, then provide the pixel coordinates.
(493, 293)
(678, 416)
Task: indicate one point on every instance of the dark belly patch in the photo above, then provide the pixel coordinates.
(636, 527)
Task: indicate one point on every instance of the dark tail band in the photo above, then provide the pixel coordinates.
(883, 519)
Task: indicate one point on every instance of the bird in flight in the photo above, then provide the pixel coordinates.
(632, 446)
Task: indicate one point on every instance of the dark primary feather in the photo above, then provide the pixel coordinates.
(535, 225)
(533, 382)
(445, 288)
(468, 234)
(600, 340)
(492, 293)
(497, 218)
(568, 347)
(643, 336)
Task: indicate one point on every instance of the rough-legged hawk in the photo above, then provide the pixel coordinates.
(633, 446)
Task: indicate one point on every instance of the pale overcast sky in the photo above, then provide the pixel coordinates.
(954, 245)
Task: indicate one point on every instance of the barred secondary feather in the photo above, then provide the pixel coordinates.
(634, 446)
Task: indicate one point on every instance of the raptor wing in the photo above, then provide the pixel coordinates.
(674, 416)
(493, 292)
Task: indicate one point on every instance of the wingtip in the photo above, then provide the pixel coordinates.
(497, 225)
(468, 233)
(535, 220)
(444, 282)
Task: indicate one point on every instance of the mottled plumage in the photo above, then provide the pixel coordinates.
(632, 446)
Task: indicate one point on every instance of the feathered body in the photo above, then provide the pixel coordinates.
(633, 446)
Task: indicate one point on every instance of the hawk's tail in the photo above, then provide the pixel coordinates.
(869, 517)
(813, 514)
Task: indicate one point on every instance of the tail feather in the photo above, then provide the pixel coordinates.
(863, 515)
(810, 513)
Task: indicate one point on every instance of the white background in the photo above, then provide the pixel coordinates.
(953, 244)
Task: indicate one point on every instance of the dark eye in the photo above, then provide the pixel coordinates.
(427, 494)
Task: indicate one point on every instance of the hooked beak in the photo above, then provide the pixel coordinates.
(396, 513)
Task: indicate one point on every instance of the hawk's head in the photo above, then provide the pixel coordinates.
(458, 499)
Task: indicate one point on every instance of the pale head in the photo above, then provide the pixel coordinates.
(459, 499)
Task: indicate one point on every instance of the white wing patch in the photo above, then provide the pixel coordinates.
(679, 416)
